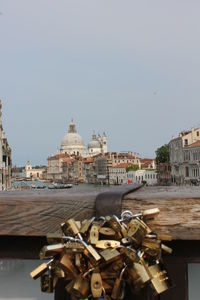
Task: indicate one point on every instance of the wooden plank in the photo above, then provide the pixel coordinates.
(38, 213)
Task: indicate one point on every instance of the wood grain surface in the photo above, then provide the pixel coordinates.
(39, 213)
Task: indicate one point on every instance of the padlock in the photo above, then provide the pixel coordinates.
(46, 283)
(139, 276)
(149, 214)
(86, 225)
(166, 249)
(106, 232)
(55, 238)
(91, 252)
(66, 265)
(96, 285)
(104, 244)
(41, 269)
(110, 254)
(74, 247)
(94, 234)
(137, 230)
(115, 225)
(160, 278)
(73, 227)
(80, 287)
(152, 247)
(51, 250)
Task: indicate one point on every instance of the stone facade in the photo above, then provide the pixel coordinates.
(58, 167)
(140, 176)
(178, 147)
(191, 162)
(35, 173)
(5, 158)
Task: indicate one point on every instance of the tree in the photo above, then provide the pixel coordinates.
(162, 154)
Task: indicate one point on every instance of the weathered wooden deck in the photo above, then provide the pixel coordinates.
(40, 212)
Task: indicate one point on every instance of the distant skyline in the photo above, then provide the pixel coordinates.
(131, 69)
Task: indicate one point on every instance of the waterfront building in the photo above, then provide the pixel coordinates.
(57, 169)
(191, 162)
(75, 170)
(89, 170)
(118, 173)
(179, 149)
(142, 176)
(5, 158)
(35, 172)
(163, 173)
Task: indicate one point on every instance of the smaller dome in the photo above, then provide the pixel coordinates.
(94, 144)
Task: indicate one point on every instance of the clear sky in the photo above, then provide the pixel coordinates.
(130, 68)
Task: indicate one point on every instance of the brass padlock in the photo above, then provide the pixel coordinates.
(160, 279)
(55, 238)
(104, 244)
(150, 213)
(86, 225)
(94, 234)
(152, 247)
(46, 283)
(66, 265)
(115, 225)
(137, 230)
(74, 247)
(96, 285)
(110, 254)
(90, 251)
(51, 250)
(107, 232)
(41, 269)
(139, 276)
(80, 287)
(72, 226)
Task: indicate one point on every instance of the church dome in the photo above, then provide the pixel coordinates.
(94, 144)
(72, 142)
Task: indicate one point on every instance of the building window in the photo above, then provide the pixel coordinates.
(186, 142)
(197, 133)
(186, 172)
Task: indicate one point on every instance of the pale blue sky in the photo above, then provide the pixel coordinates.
(130, 68)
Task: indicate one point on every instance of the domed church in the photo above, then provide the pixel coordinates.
(98, 144)
(73, 144)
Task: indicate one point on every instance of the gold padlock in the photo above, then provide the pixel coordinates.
(150, 213)
(51, 250)
(41, 269)
(96, 285)
(137, 230)
(66, 265)
(110, 254)
(160, 279)
(80, 287)
(107, 232)
(94, 234)
(46, 283)
(104, 244)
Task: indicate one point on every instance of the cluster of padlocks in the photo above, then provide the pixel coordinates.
(100, 258)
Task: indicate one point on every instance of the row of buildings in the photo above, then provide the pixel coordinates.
(97, 165)
(184, 152)
(5, 158)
